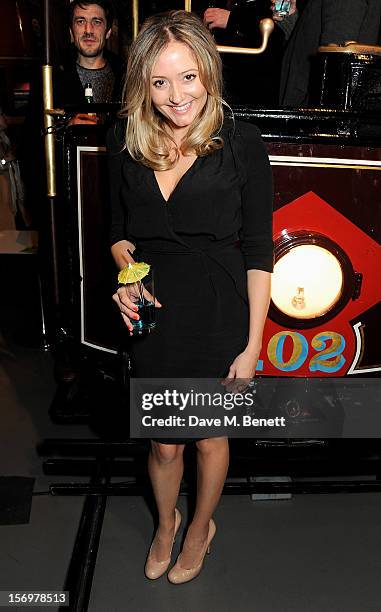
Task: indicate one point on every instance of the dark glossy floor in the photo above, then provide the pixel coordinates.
(309, 554)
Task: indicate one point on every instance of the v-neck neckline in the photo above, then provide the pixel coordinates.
(181, 179)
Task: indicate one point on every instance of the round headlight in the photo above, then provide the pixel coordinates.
(313, 279)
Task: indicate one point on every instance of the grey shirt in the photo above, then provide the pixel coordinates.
(101, 79)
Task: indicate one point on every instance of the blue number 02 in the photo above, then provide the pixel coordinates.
(329, 359)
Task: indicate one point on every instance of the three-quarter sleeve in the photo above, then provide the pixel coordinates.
(256, 234)
(118, 223)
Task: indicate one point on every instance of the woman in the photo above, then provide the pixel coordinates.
(185, 184)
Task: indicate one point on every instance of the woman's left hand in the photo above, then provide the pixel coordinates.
(241, 371)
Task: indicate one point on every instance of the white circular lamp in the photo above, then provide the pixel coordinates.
(313, 279)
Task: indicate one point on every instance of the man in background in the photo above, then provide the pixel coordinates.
(89, 61)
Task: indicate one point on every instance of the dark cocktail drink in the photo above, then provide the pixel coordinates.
(146, 322)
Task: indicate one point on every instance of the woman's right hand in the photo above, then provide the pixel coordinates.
(126, 298)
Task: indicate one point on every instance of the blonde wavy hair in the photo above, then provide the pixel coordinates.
(146, 139)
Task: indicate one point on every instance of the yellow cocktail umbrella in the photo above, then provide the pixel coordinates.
(133, 272)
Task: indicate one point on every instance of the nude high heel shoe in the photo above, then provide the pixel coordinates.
(154, 569)
(179, 574)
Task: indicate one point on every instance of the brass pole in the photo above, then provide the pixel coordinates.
(135, 18)
(47, 91)
(50, 263)
(188, 5)
(266, 26)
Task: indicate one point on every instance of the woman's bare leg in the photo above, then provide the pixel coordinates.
(212, 466)
(165, 468)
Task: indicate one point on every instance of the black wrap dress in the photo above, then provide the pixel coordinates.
(216, 225)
